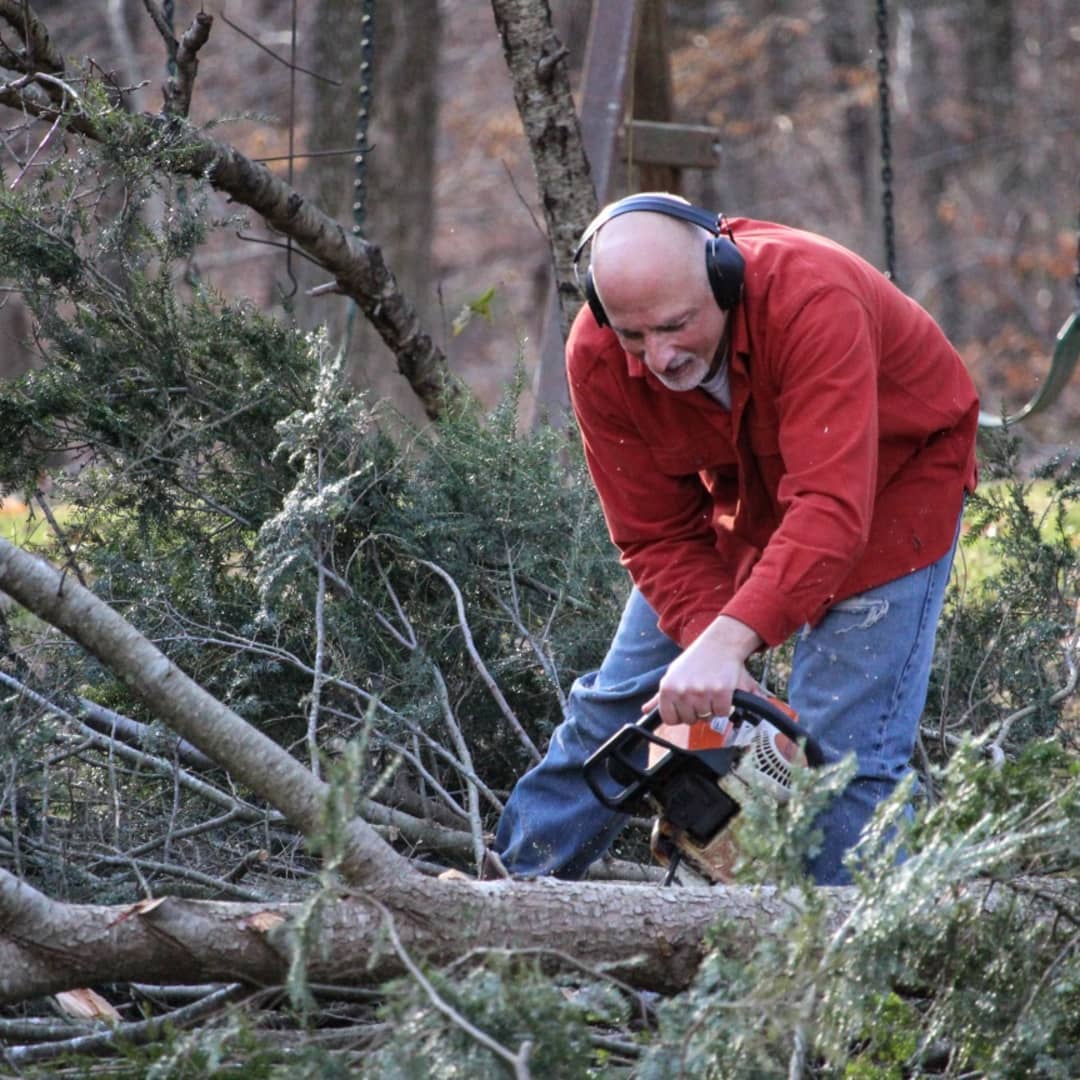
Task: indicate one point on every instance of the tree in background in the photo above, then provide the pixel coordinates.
(398, 170)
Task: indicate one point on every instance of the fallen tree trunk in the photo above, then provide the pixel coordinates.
(649, 936)
(654, 936)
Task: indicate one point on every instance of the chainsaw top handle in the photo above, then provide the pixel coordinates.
(760, 708)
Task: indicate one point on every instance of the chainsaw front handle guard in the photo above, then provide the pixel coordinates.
(617, 760)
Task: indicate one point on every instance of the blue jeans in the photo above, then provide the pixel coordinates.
(858, 682)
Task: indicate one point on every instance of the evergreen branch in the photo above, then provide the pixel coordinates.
(356, 264)
(518, 1062)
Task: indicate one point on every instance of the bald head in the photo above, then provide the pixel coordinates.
(638, 246)
(649, 272)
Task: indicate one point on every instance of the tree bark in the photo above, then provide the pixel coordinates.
(356, 264)
(647, 935)
(537, 62)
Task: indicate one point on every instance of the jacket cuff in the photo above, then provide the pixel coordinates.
(758, 610)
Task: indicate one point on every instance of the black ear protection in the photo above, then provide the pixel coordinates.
(723, 261)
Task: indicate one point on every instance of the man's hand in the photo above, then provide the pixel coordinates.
(700, 682)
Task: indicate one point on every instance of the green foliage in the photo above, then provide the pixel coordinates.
(928, 973)
(1009, 639)
(510, 1000)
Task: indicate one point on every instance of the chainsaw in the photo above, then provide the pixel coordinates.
(696, 778)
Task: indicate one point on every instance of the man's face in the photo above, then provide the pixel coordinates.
(677, 340)
(650, 275)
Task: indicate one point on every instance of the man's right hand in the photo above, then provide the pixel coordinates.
(699, 683)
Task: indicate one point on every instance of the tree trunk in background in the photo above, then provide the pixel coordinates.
(400, 164)
(845, 31)
(988, 38)
(570, 20)
(988, 42)
(15, 323)
(15, 357)
(928, 171)
(536, 60)
(783, 85)
(653, 96)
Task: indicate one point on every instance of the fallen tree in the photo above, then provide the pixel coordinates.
(650, 936)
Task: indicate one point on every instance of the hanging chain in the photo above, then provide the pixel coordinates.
(363, 114)
(886, 138)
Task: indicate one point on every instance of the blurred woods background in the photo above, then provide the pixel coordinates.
(984, 153)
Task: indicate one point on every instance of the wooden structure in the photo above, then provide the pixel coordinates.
(630, 139)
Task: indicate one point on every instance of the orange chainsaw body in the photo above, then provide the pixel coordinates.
(715, 860)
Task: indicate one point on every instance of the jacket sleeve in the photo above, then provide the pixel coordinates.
(662, 524)
(824, 370)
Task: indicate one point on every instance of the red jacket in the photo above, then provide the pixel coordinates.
(842, 464)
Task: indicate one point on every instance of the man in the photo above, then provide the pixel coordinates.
(781, 441)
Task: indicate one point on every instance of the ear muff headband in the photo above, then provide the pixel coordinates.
(724, 263)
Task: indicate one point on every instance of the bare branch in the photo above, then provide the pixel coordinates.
(37, 150)
(135, 1033)
(157, 14)
(112, 745)
(188, 709)
(179, 88)
(320, 660)
(109, 722)
(462, 747)
(478, 661)
(38, 52)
